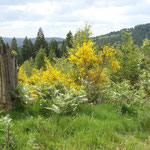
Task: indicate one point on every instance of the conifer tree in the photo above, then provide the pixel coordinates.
(31, 49)
(39, 59)
(14, 45)
(63, 48)
(53, 48)
(40, 42)
(25, 52)
(1, 41)
(129, 56)
(69, 40)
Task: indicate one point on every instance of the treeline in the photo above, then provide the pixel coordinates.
(40, 47)
(139, 33)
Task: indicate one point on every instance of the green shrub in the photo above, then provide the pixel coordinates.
(123, 94)
(60, 99)
(144, 82)
(28, 66)
(144, 116)
(7, 140)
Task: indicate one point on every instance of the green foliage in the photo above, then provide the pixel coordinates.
(146, 51)
(55, 117)
(32, 144)
(39, 59)
(40, 42)
(62, 64)
(60, 99)
(1, 41)
(20, 94)
(146, 47)
(14, 52)
(69, 40)
(28, 66)
(63, 48)
(124, 95)
(53, 49)
(90, 127)
(27, 50)
(7, 141)
(139, 33)
(52, 56)
(82, 36)
(144, 116)
(129, 56)
(14, 49)
(14, 45)
(144, 82)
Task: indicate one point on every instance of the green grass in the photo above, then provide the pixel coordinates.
(88, 128)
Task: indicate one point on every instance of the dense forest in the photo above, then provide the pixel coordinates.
(76, 95)
(139, 33)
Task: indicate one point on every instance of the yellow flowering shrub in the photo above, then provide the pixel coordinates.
(49, 76)
(91, 65)
(87, 64)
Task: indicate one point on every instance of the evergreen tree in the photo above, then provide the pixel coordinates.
(25, 52)
(53, 48)
(69, 40)
(130, 57)
(40, 42)
(52, 55)
(39, 59)
(31, 49)
(14, 45)
(1, 41)
(63, 48)
(7, 46)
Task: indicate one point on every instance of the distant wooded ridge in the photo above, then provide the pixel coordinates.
(20, 40)
(139, 33)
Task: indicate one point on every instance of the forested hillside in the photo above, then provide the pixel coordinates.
(139, 33)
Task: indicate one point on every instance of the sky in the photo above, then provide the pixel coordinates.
(20, 18)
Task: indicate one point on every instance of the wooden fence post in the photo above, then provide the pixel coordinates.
(8, 76)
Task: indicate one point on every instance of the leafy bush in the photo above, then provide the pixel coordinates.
(144, 116)
(7, 141)
(21, 93)
(28, 66)
(144, 81)
(123, 94)
(60, 99)
(57, 97)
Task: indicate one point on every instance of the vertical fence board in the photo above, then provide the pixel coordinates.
(8, 75)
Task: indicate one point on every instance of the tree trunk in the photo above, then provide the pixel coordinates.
(8, 75)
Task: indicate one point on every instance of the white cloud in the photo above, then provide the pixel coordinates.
(58, 17)
(41, 8)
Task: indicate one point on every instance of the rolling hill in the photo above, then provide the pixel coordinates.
(139, 33)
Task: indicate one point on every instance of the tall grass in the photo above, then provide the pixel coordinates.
(88, 128)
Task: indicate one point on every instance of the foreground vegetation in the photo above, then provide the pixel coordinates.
(89, 127)
(89, 98)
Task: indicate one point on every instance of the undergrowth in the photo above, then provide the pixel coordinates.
(89, 127)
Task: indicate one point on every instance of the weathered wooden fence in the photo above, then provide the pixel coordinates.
(8, 75)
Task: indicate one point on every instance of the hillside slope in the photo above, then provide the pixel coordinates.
(139, 33)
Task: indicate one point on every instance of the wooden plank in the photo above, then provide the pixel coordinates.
(8, 75)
